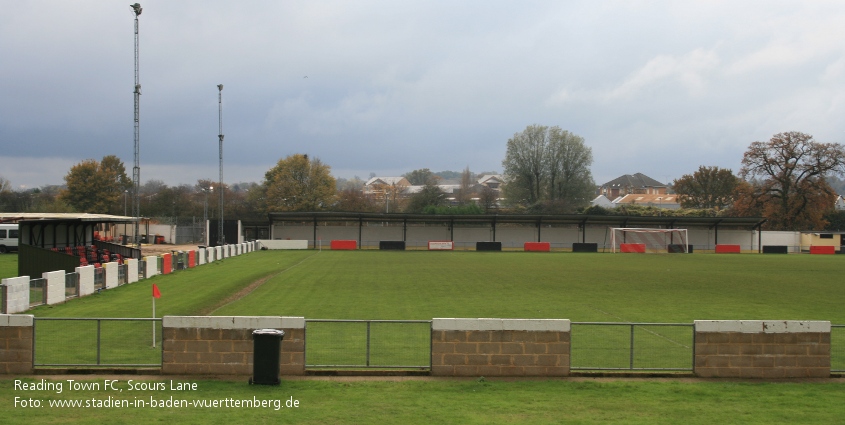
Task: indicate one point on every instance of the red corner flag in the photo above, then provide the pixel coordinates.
(156, 293)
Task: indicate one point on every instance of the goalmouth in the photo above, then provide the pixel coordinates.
(648, 240)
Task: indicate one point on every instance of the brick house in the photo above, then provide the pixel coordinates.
(632, 184)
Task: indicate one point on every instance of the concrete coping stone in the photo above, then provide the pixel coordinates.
(16, 320)
(762, 326)
(489, 324)
(234, 322)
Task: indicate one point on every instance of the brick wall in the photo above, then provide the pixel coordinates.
(223, 345)
(762, 349)
(500, 347)
(15, 344)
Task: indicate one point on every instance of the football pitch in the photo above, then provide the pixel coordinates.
(423, 285)
(416, 285)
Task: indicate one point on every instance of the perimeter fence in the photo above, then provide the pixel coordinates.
(97, 342)
(381, 344)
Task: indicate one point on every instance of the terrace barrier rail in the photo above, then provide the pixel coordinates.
(71, 285)
(628, 346)
(37, 292)
(837, 348)
(96, 342)
(368, 344)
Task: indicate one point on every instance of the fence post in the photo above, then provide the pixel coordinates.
(98, 341)
(632, 347)
(368, 343)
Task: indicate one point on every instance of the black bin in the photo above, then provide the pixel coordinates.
(267, 344)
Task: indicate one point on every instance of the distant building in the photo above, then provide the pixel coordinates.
(602, 201)
(377, 185)
(493, 181)
(839, 205)
(632, 184)
(649, 200)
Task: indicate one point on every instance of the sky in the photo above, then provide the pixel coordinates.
(387, 87)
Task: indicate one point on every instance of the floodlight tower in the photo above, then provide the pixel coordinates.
(221, 237)
(136, 170)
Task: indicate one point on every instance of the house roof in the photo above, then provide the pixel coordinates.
(487, 177)
(98, 218)
(493, 219)
(387, 180)
(647, 199)
(636, 180)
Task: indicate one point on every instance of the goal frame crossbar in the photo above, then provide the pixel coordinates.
(682, 234)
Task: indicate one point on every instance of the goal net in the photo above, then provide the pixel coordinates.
(647, 240)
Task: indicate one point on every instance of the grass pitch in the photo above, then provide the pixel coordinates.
(8, 265)
(424, 285)
(421, 285)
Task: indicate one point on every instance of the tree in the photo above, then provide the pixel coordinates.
(464, 195)
(548, 164)
(789, 171)
(298, 183)
(97, 187)
(354, 200)
(421, 177)
(429, 196)
(488, 198)
(709, 187)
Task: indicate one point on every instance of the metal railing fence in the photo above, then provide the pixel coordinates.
(99, 278)
(397, 344)
(142, 269)
(837, 348)
(632, 346)
(121, 274)
(37, 292)
(71, 285)
(96, 342)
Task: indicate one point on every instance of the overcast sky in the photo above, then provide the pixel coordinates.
(657, 87)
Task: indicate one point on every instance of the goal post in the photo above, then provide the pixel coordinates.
(648, 240)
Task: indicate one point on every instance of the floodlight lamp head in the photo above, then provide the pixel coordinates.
(220, 87)
(137, 8)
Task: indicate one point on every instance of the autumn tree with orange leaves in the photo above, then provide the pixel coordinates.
(785, 181)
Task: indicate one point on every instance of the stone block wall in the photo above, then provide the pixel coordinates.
(16, 294)
(223, 345)
(16, 344)
(500, 347)
(762, 349)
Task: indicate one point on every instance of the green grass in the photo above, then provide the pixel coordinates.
(8, 265)
(424, 285)
(453, 401)
(580, 287)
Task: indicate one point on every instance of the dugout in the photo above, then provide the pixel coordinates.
(51, 241)
(563, 231)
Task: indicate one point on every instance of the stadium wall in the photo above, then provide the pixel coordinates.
(16, 334)
(762, 349)
(500, 347)
(514, 236)
(223, 345)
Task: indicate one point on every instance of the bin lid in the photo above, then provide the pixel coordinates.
(268, 332)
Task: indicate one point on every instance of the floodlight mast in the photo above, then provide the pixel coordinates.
(221, 237)
(136, 169)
